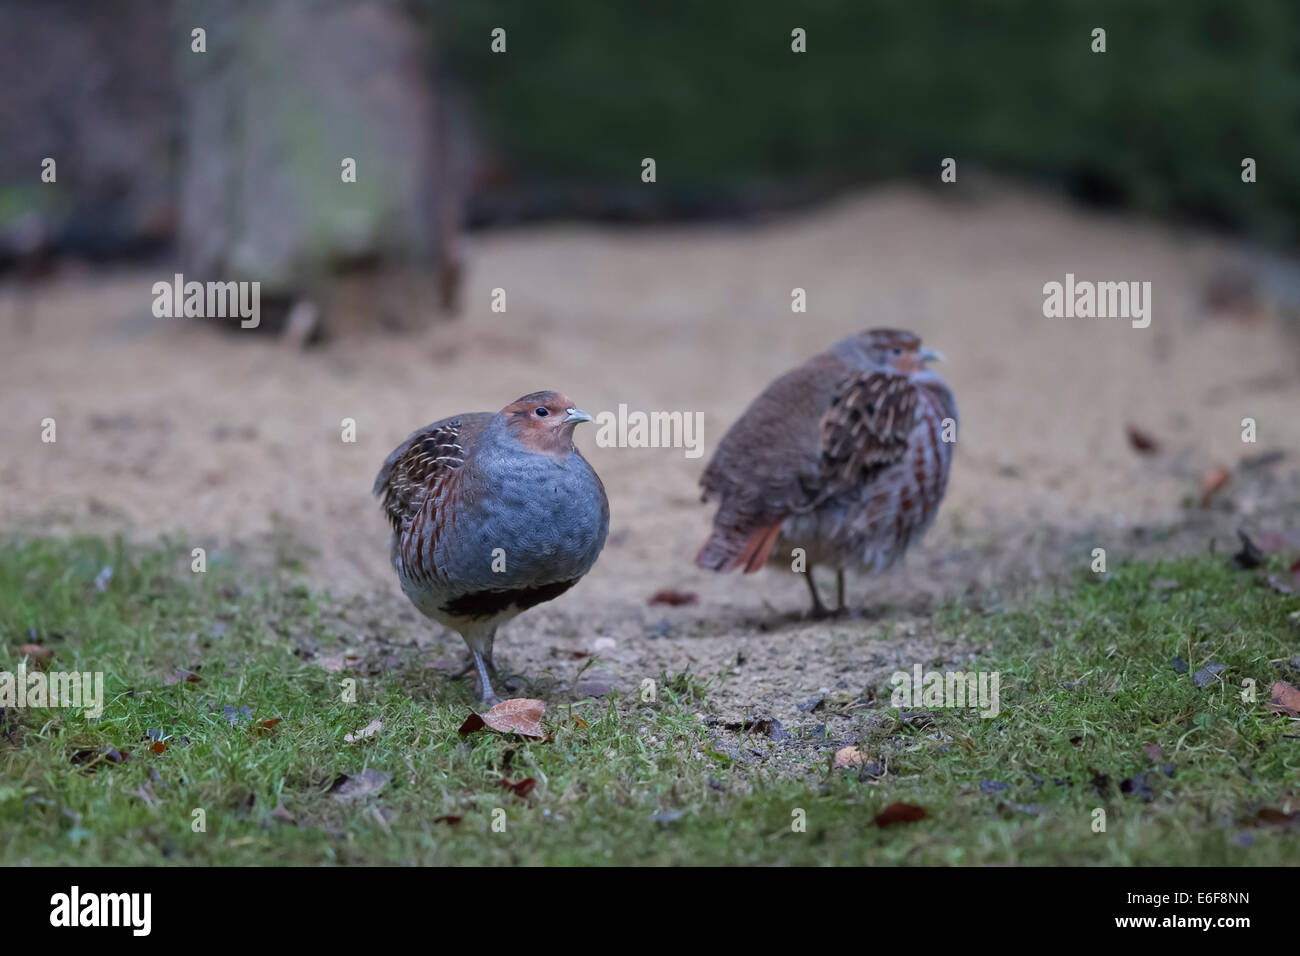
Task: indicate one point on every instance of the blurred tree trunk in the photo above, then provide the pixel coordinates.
(286, 92)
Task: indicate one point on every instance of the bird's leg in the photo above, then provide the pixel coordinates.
(839, 591)
(485, 692)
(480, 648)
(471, 666)
(818, 608)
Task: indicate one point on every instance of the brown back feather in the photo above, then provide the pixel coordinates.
(866, 429)
(420, 462)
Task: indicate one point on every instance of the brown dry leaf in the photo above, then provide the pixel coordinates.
(158, 747)
(472, 723)
(369, 730)
(521, 789)
(40, 656)
(1141, 441)
(1285, 699)
(900, 813)
(849, 757)
(266, 726)
(447, 818)
(519, 715)
(580, 722)
(1275, 817)
(673, 598)
(1212, 482)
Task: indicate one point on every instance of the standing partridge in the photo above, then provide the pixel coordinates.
(492, 515)
(844, 457)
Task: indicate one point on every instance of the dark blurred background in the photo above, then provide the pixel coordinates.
(159, 147)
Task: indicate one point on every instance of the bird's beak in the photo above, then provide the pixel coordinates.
(929, 355)
(575, 415)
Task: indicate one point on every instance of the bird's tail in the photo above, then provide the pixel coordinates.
(730, 548)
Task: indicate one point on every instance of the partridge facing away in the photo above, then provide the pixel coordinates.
(843, 457)
(492, 515)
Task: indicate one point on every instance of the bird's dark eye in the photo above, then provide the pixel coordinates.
(541, 411)
(898, 351)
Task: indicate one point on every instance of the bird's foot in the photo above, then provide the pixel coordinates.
(821, 612)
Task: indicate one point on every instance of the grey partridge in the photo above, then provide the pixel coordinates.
(846, 457)
(493, 515)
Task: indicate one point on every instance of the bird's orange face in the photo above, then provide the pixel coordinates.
(899, 350)
(544, 422)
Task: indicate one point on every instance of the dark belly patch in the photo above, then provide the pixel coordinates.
(480, 604)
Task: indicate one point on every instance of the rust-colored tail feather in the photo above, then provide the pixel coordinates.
(728, 549)
(759, 547)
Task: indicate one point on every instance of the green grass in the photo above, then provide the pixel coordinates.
(1086, 682)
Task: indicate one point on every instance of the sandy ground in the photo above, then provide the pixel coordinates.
(234, 439)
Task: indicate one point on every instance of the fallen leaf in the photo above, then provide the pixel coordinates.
(447, 818)
(521, 789)
(580, 722)
(1031, 809)
(369, 730)
(1277, 584)
(1212, 482)
(180, 676)
(1207, 673)
(266, 726)
(472, 723)
(1275, 817)
(342, 661)
(1249, 556)
(40, 656)
(1138, 786)
(1285, 699)
(364, 784)
(158, 747)
(92, 760)
(1141, 441)
(673, 598)
(900, 813)
(1270, 542)
(849, 757)
(765, 726)
(519, 715)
